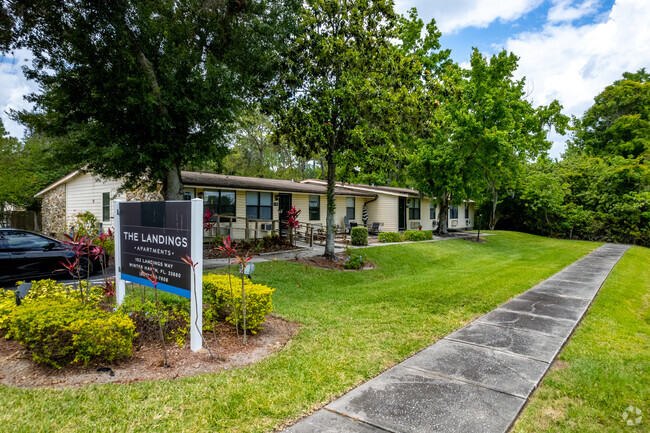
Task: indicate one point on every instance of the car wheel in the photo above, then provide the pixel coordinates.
(85, 268)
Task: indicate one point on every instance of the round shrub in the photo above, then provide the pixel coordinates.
(85, 224)
(359, 236)
(51, 289)
(387, 237)
(418, 235)
(7, 306)
(354, 261)
(63, 331)
(217, 296)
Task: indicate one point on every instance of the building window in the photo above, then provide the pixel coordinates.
(414, 209)
(466, 211)
(314, 208)
(189, 194)
(349, 208)
(259, 205)
(106, 207)
(432, 211)
(220, 202)
(453, 212)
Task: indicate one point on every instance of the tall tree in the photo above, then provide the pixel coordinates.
(343, 85)
(487, 129)
(25, 168)
(619, 121)
(138, 89)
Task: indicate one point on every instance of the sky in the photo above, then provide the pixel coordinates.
(568, 50)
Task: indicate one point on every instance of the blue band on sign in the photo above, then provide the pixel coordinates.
(160, 286)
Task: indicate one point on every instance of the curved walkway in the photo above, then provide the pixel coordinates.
(478, 378)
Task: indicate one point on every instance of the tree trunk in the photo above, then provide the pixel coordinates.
(36, 227)
(495, 199)
(331, 204)
(173, 187)
(322, 169)
(442, 215)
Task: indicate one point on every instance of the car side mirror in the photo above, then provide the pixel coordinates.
(50, 246)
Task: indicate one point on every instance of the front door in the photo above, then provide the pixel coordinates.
(284, 206)
(401, 213)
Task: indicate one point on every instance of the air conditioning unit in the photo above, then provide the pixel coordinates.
(415, 224)
(454, 223)
(267, 226)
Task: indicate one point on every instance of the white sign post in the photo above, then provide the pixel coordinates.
(120, 284)
(196, 309)
(157, 237)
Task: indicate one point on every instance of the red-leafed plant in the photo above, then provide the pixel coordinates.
(292, 222)
(230, 252)
(208, 224)
(79, 266)
(242, 262)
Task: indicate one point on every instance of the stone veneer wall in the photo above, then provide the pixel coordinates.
(53, 212)
(142, 194)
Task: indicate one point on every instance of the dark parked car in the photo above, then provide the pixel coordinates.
(26, 256)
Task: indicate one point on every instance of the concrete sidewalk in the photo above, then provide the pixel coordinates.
(478, 378)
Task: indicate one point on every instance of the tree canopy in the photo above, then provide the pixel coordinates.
(342, 87)
(139, 89)
(485, 130)
(619, 121)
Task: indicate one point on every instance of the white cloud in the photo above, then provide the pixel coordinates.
(13, 87)
(452, 16)
(575, 63)
(567, 10)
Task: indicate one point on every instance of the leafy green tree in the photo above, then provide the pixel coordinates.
(486, 131)
(139, 89)
(619, 121)
(343, 85)
(26, 168)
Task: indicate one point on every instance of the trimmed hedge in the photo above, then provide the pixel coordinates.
(418, 235)
(7, 306)
(359, 236)
(387, 237)
(62, 331)
(217, 296)
(51, 289)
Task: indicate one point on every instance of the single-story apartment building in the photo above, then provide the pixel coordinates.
(406, 209)
(261, 202)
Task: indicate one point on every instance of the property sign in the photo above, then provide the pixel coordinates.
(157, 235)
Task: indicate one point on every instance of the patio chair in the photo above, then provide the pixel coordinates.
(375, 228)
(348, 226)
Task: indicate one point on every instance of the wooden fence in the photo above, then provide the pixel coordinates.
(24, 220)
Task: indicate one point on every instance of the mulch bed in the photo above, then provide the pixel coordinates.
(215, 253)
(18, 369)
(337, 264)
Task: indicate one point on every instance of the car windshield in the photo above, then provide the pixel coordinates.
(24, 240)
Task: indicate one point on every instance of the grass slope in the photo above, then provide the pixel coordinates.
(354, 325)
(606, 365)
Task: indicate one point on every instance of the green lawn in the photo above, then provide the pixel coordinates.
(605, 367)
(354, 325)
